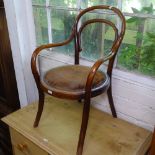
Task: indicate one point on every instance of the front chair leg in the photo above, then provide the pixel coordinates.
(111, 102)
(40, 108)
(84, 123)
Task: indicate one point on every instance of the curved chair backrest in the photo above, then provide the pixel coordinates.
(119, 34)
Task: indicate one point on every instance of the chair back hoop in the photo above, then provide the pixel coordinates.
(118, 34)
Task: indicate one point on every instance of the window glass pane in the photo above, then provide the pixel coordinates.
(138, 49)
(40, 19)
(39, 2)
(97, 38)
(87, 3)
(138, 6)
(62, 22)
(64, 3)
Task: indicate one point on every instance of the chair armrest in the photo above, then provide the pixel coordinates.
(39, 49)
(93, 71)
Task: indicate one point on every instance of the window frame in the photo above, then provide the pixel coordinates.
(21, 29)
(49, 7)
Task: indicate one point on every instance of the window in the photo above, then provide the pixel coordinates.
(54, 18)
(138, 49)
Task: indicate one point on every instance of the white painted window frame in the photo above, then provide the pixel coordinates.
(20, 22)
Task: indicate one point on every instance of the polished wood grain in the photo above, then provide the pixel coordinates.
(59, 128)
(22, 146)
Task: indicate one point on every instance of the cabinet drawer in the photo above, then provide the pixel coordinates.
(23, 146)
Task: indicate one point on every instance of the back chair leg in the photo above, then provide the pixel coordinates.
(111, 102)
(84, 124)
(40, 108)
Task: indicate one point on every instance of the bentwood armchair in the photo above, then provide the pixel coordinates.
(80, 82)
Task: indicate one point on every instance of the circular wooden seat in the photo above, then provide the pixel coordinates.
(72, 79)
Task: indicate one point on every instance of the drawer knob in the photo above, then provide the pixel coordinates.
(22, 147)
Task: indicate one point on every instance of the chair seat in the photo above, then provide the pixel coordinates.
(72, 79)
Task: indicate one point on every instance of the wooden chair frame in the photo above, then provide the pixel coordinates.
(76, 35)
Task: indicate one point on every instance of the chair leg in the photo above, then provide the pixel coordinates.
(40, 108)
(111, 102)
(84, 124)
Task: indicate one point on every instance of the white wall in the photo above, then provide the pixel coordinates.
(134, 95)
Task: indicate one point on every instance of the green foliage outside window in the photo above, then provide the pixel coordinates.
(137, 52)
(63, 31)
(140, 56)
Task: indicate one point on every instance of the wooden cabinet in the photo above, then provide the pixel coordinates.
(22, 146)
(58, 131)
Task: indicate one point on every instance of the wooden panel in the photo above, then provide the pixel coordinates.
(8, 89)
(59, 129)
(2, 92)
(1, 3)
(5, 144)
(7, 73)
(29, 147)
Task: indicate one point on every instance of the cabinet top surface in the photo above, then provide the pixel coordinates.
(59, 128)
